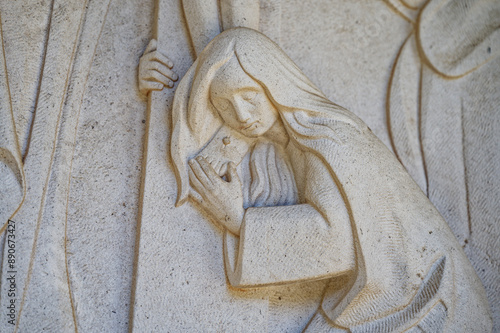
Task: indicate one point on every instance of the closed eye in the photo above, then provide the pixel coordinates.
(249, 95)
(221, 104)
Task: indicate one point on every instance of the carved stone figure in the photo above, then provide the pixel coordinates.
(91, 240)
(307, 192)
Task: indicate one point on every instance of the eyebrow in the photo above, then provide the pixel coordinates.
(249, 89)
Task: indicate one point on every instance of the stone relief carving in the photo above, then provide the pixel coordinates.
(306, 192)
(71, 128)
(441, 109)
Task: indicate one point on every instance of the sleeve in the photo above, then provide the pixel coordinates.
(295, 243)
(458, 36)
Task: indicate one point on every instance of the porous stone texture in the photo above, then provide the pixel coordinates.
(72, 74)
(87, 178)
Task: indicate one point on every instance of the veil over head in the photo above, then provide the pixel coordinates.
(304, 109)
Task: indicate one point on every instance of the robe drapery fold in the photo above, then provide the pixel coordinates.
(399, 238)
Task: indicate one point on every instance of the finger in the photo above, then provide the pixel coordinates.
(147, 57)
(161, 58)
(232, 173)
(196, 197)
(216, 164)
(201, 175)
(222, 169)
(208, 169)
(162, 69)
(151, 46)
(153, 75)
(156, 56)
(147, 86)
(195, 182)
(209, 159)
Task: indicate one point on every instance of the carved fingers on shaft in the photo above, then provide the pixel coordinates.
(155, 70)
(223, 200)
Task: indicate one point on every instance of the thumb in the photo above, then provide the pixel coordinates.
(232, 174)
(151, 46)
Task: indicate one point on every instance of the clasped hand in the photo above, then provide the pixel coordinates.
(155, 70)
(223, 200)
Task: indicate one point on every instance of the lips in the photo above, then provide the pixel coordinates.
(248, 126)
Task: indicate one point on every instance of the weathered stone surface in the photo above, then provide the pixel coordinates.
(86, 172)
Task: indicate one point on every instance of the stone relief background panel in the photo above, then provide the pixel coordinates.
(81, 129)
(103, 202)
(82, 260)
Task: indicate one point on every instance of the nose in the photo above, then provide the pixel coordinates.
(242, 110)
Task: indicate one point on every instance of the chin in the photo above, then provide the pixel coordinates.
(259, 131)
(250, 134)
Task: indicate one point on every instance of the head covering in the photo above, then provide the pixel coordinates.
(304, 109)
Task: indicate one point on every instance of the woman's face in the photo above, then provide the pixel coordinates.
(241, 102)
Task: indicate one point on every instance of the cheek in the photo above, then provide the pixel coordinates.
(230, 119)
(265, 110)
(269, 114)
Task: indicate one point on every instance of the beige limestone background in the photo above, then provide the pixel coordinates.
(100, 213)
(97, 232)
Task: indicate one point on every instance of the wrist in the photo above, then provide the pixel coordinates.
(233, 223)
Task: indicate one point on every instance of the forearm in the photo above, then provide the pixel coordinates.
(240, 13)
(202, 18)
